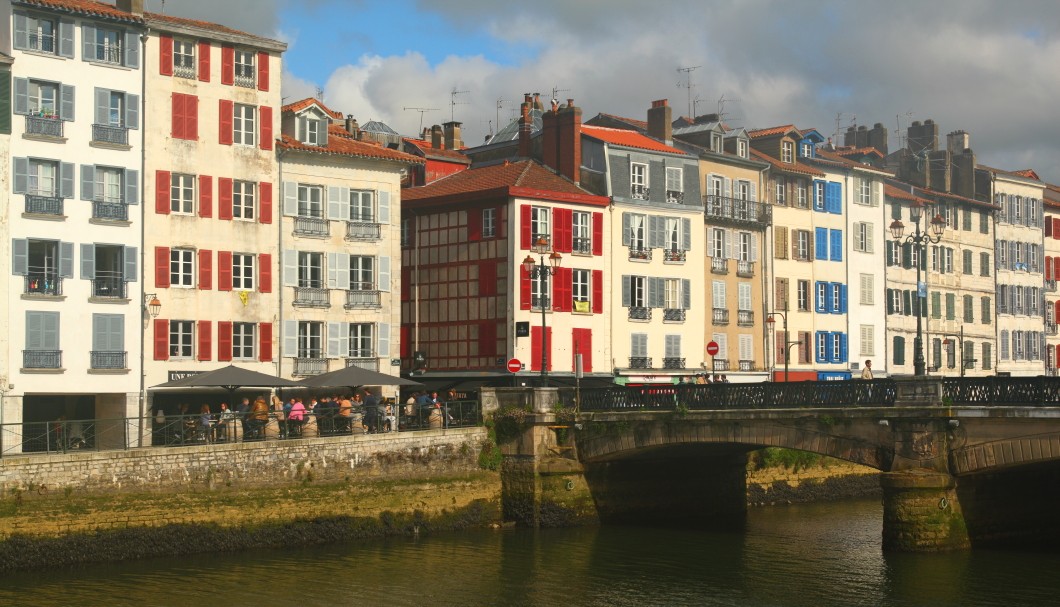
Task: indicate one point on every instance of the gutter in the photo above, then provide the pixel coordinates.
(143, 234)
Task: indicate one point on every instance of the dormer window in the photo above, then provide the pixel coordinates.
(787, 152)
(806, 149)
(741, 148)
(312, 129)
(716, 143)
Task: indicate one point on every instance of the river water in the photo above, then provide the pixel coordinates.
(812, 555)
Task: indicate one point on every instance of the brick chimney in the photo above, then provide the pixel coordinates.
(525, 126)
(436, 137)
(352, 127)
(134, 7)
(660, 121)
(452, 135)
(561, 140)
(550, 138)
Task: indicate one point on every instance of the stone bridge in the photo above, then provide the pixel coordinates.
(956, 470)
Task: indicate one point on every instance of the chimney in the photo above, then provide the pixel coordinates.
(436, 137)
(352, 127)
(426, 133)
(561, 140)
(660, 121)
(850, 137)
(957, 142)
(537, 102)
(134, 7)
(878, 138)
(550, 137)
(452, 135)
(525, 125)
(922, 137)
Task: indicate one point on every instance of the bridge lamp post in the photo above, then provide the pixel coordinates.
(788, 343)
(539, 270)
(960, 346)
(919, 240)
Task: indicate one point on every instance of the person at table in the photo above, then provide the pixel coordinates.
(295, 418)
(258, 418)
(345, 415)
(369, 415)
(224, 418)
(372, 402)
(243, 412)
(205, 423)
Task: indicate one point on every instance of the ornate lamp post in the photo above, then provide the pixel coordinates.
(149, 308)
(539, 270)
(919, 240)
(788, 343)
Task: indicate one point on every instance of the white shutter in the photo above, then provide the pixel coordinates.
(384, 207)
(754, 247)
(336, 196)
(290, 198)
(384, 273)
(333, 269)
(383, 342)
(290, 268)
(747, 347)
(729, 236)
(290, 338)
(334, 331)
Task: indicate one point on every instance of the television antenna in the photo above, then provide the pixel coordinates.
(555, 93)
(688, 85)
(422, 111)
(898, 128)
(453, 102)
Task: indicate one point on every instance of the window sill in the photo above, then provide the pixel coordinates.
(39, 297)
(44, 138)
(109, 371)
(108, 300)
(104, 145)
(110, 222)
(28, 371)
(40, 53)
(44, 216)
(116, 66)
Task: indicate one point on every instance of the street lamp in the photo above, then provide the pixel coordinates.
(541, 270)
(788, 343)
(960, 346)
(150, 306)
(919, 240)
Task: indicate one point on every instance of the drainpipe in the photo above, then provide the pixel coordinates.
(143, 234)
(277, 197)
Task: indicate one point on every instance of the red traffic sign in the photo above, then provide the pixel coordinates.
(712, 348)
(514, 366)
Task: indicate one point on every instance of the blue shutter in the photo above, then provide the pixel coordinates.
(88, 261)
(837, 244)
(842, 299)
(66, 102)
(66, 179)
(820, 248)
(829, 303)
(842, 347)
(833, 197)
(820, 336)
(19, 256)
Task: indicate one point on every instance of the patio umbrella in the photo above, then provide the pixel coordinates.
(350, 377)
(230, 378)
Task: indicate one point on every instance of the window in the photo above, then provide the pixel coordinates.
(717, 249)
(181, 268)
(539, 224)
(951, 305)
(182, 193)
(674, 184)
(243, 341)
(987, 355)
(489, 223)
(747, 248)
(787, 151)
(866, 289)
(967, 261)
(803, 294)
(539, 290)
(362, 206)
(781, 193)
(244, 69)
(781, 294)
(310, 201)
(243, 199)
(969, 308)
(311, 130)
(637, 230)
(185, 116)
(837, 298)
(803, 201)
(638, 181)
(863, 237)
(780, 242)
(242, 272)
(309, 339)
(802, 242)
(361, 340)
(672, 293)
(310, 270)
(406, 232)
(108, 184)
(743, 296)
(40, 34)
(638, 345)
(104, 46)
(868, 340)
(362, 273)
(806, 149)
(715, 142)
(899, 350)
(836, 241)
(181, 333)
(822, 296)
(984, 228)
(672, 234)
(43, 177)
(820, 244)
(818, 195)
(580, 285)
(637, 292)
(243, 118)
(864, 192)
(581, 233)
(43, 98)
(184, 58)
(741, 148)
(822, 346)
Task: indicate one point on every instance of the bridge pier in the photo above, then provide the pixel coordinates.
(921, 512)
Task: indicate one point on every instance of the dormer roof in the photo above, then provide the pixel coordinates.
(298, 106)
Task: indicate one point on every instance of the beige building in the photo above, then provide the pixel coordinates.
(1051, 233)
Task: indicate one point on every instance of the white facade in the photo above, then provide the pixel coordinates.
(866, 228)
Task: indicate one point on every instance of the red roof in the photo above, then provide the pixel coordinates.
(298, 106)
(633, 122)
(918, 193)
(1028, 173)
(630, 139)
(776, 130)
(525, 179)
(794, 167)
(217, 27)
(436, 153)
(341, 143)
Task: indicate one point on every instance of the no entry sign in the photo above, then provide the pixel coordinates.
(514, 366)
(712, 348)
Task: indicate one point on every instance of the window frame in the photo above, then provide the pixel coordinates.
(244, 200)
(362, 206)
(185, 50)
(802, 295)
(638, 178)
(181, 339)
(310, 270)
(787, 152)
(581, 284)
(310, 339)
(243, 343)
(244, 68)
(109, 49)
(244, 124)
(243, 271)
(306, 204)
(489, 222)
(33, 24)
(182, 268)
(188, 189)
(363, 272)
(540, 224)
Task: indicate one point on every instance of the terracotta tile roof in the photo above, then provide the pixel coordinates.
(341, 143)
(776, 130)
(908, 191)
(1024, 173)
(1028, 173)
(425, 148)
(895, 192)
(795, 167)
(525, 178)
(640, 125)
(85, 7)
(852, 151)
(298, 106)
(837, 157)
(217, 27)
(630, 139)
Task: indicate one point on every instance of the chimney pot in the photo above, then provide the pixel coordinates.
(133, 7)
(660, 122)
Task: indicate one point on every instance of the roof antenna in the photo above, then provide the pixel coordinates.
(453, 103)
(688, 85)
(421, 110)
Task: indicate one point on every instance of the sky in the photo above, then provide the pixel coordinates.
(988, 67)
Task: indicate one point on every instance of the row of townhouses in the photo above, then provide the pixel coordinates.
(166, 214)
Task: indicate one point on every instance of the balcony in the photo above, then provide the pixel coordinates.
(107, 360)
(732, 211)
(311, 297)
(674, 255)
(721, 316)
(305, 367)
(640, 362)
(639, 313)
(184, 71)
(106, 53)
(44, 125)
(745, 269)
(583, 246)
(745, 318)
(39, 204)
(673, 315)
(42, 359)
(312, 226)
(747, 365)
(675, 197)
(43, 283)
(245, 79)
(105, 133)
(719, 265)
(362, 299)
(110, 211)
(673, 363)
(640, 253)
(1050, 328)
(1050, 285)
(362, 230)
(721, 365)
(638, 192)
(109, 287)
(363, 360)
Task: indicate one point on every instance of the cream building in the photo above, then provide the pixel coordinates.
(1051, 233)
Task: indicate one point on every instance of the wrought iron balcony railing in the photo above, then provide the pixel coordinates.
(721, 365)
(311, 297)
(745, 269)
(312, 226)
(745, 318)
(583, 246)
(111, 211)
(49, 126)
(43, 283)
(245, 80)
(361, 230)
(639, 192)
(1050, 285)
(181, 70)
(721, 316)
(107, 360)
(673, 314)
(306, 366)
(363, 360)
(42, 359)
(733, 210)
(539, 303)
(673, 196)
(674, 255)
(362, 299)
(44, 205)
(719, 265)
(639, 313)
(106, 133)
(1050, 328)
(112, 287)
(673, 363)
(747, 365)
(640, 362)
(642, 253)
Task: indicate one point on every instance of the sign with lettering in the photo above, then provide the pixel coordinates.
(175, 375)
(522, 329)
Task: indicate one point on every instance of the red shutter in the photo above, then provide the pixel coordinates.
(535, 348)
(263, 71)
(1048, 226)
(598, 291)
(265, 116)
(224, 122)
(191, 117)
(524, 288)
(165, 55)
(563, 239)
(265, 202)
(406, 278)
(406, 342)
(224, 340)
(1048, 267)
(1056, 228)
(162, 182)
(265, 273)
(563, 290)
(205, 196)
(598, 233)
(224, 198)
(204, 61)
(487, 338)
(1057, 315)
(228, 65)
(487, 278)
(161, 339)
(582, 344)
(162, 267)
(474, 224)
(224, 270)
(177, 116)
(1056, 266)
(205, 339)
(205, 269)
(524, 227)
(265, 342)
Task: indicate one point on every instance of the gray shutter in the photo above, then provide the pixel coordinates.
(335, 202)
(132, 186)
(34, 330)
(21, 32)
(344, 272)
(132, 260)
(727, 187)
(116, 332)
(50, 330)
(754, 195)
(686, 294)
(334, 331)
(322, 132)
(686, 234)
(66, 180)
(19, 256)
(100, 341)
(653, 228)
(384, 207)
(88, 42)
(66, 102)
(88, 261)
(754, 247)
(625, 288)
(132, 111)
(290, 269)
(88, 181)
(102, 97)
(132, 50)
(625, 229)
(383, 341)
(290, 338)
(333, 270)
(66, 259)
(66, 39)
(21, 175)
(654, 292)
(384, 273)
(21, 96)
(344, 340)
(290, 198)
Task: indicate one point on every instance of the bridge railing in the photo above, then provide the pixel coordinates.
(1003, 391)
